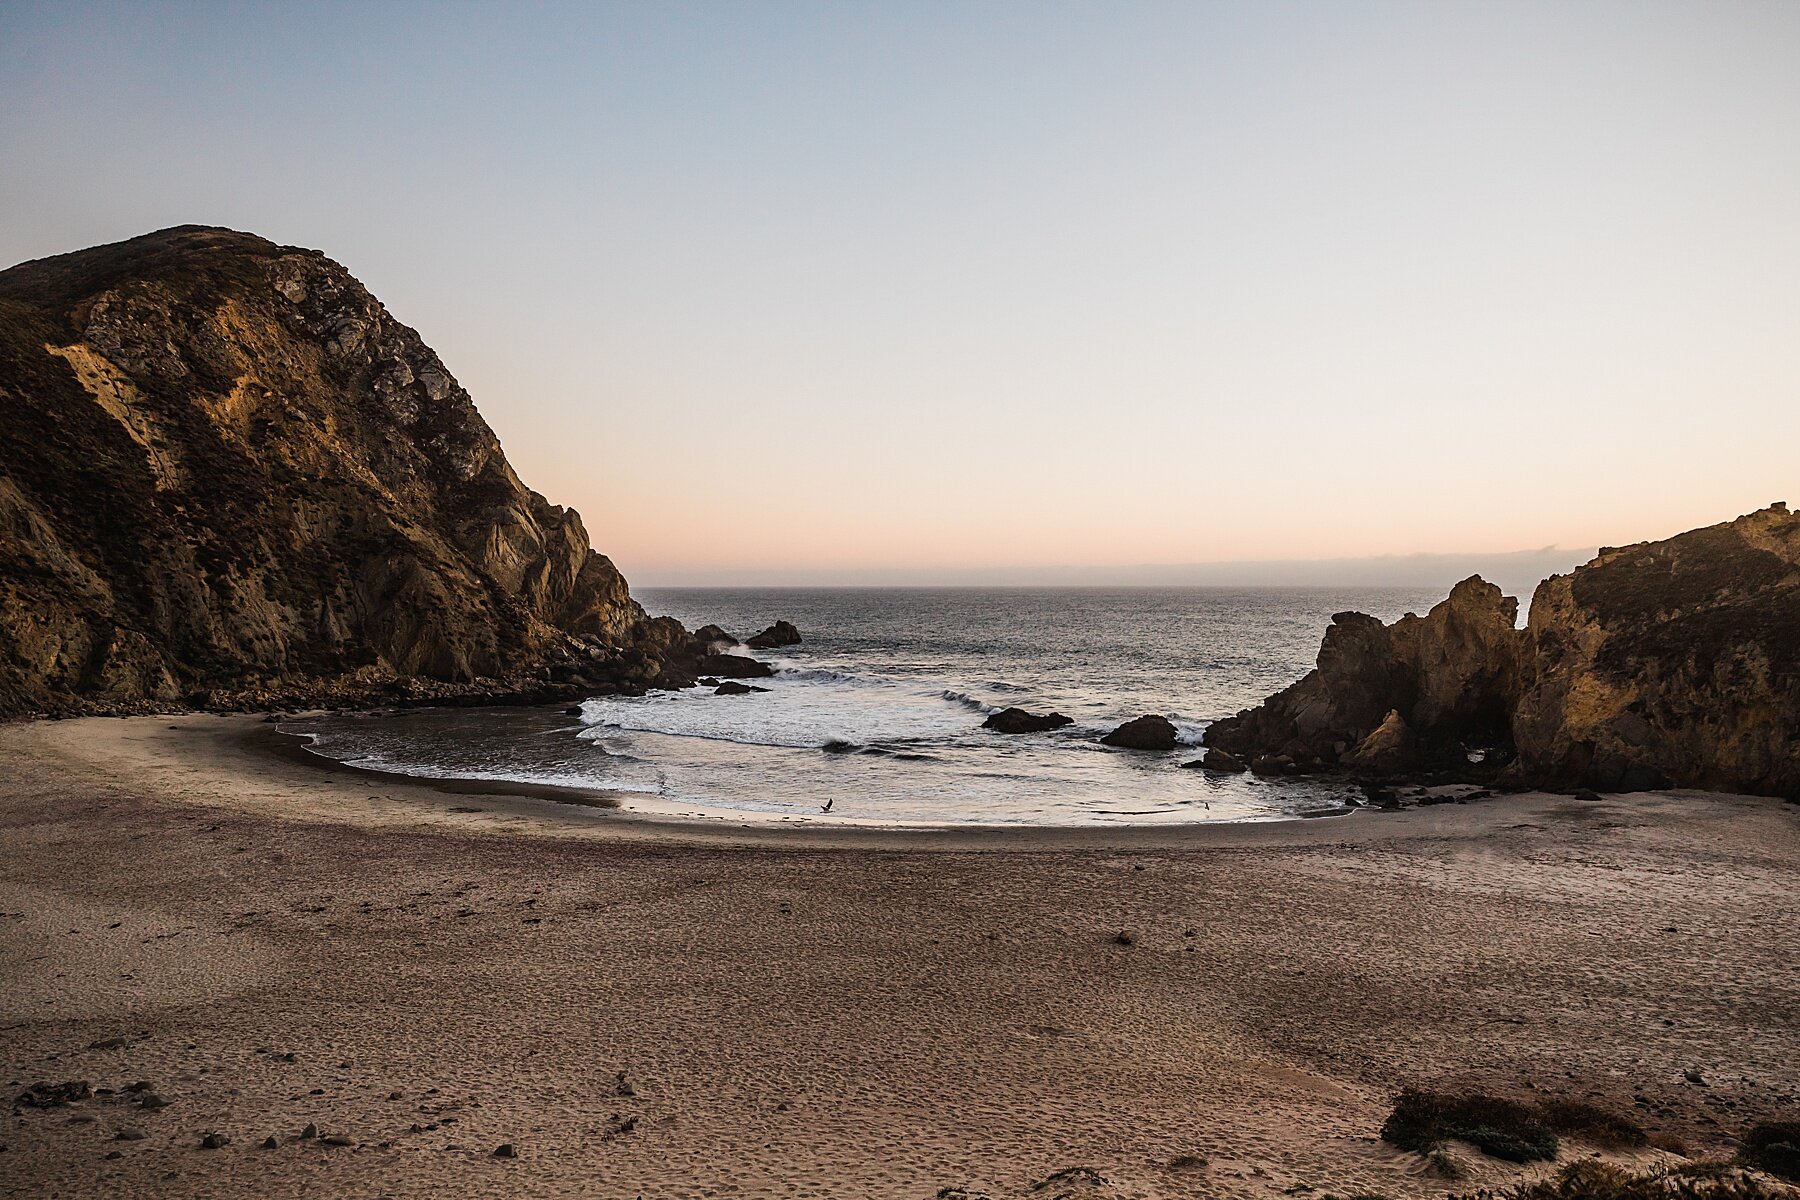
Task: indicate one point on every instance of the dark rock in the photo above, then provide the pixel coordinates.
(271, 1143)
(214, 1141)
(311, 1131)
(574, 710)
(733, 688)
(734, 666)
(1272, 764)
(337, 1139)
(1436, 683)
(781, 633)
(709, 636)
(1017, 720)
(1143, 733)
(1125, 938)
(130, 1133)
(1585, 794)
(1221, 761)
(56, 1095)
(506, 1150)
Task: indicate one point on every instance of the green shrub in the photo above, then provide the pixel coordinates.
(1773, 1146)
(1573, 1118)
(1506, 1129)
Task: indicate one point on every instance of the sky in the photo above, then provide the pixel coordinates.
(928, 291)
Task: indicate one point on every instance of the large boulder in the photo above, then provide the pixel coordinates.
(781, 633)
(1450, 678)
(1149, 732)
(1017, 720)
(1670, 663)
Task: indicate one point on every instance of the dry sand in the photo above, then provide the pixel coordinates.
(839, 1013)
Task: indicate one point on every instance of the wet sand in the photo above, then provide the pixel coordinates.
(428, 973)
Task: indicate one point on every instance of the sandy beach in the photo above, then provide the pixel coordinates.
(726, 1008)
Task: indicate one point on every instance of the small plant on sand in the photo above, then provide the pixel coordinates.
(1423, 1121)
(1445, 1165)
(1668, 1142)
(1773, 1146)
(1070, 1178)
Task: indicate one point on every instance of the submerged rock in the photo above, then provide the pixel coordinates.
(781, 633)
(1148, 732)
(733, 688)
(1017, 720)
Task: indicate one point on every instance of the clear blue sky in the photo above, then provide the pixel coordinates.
(929, 287)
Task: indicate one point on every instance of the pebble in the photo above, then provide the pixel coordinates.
(130, 1133)
(311, 1131)
(214, 1141)
(270, 1143)
(505, 1150)
(336, 1139)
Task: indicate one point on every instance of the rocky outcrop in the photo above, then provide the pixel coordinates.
(781, 633)
(230, 476)
(1670, 663)
(714, 637)
(1422, 691)
(1143, 733)
(1017, 720)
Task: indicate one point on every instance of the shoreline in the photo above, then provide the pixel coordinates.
(229, 748)
(430, 973)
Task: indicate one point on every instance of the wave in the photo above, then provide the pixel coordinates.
(969, 702)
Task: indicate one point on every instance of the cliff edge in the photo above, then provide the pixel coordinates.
(1664, 664)
(231, 477)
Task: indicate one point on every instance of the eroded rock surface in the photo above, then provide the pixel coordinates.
(1671, 663)
(1423, 690)
(230, 476)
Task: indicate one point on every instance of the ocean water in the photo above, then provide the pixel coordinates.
(878, 711)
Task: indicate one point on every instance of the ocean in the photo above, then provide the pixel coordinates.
(878, 712)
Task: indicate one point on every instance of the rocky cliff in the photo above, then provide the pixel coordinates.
(229, 475)
(1422, 692)
(1673, 663)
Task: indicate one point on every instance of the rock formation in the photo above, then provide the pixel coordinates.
(1422, 691)
(1672, 663)
(781, 633)
(1143, 733)
(1017, 720)
(229, 476)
